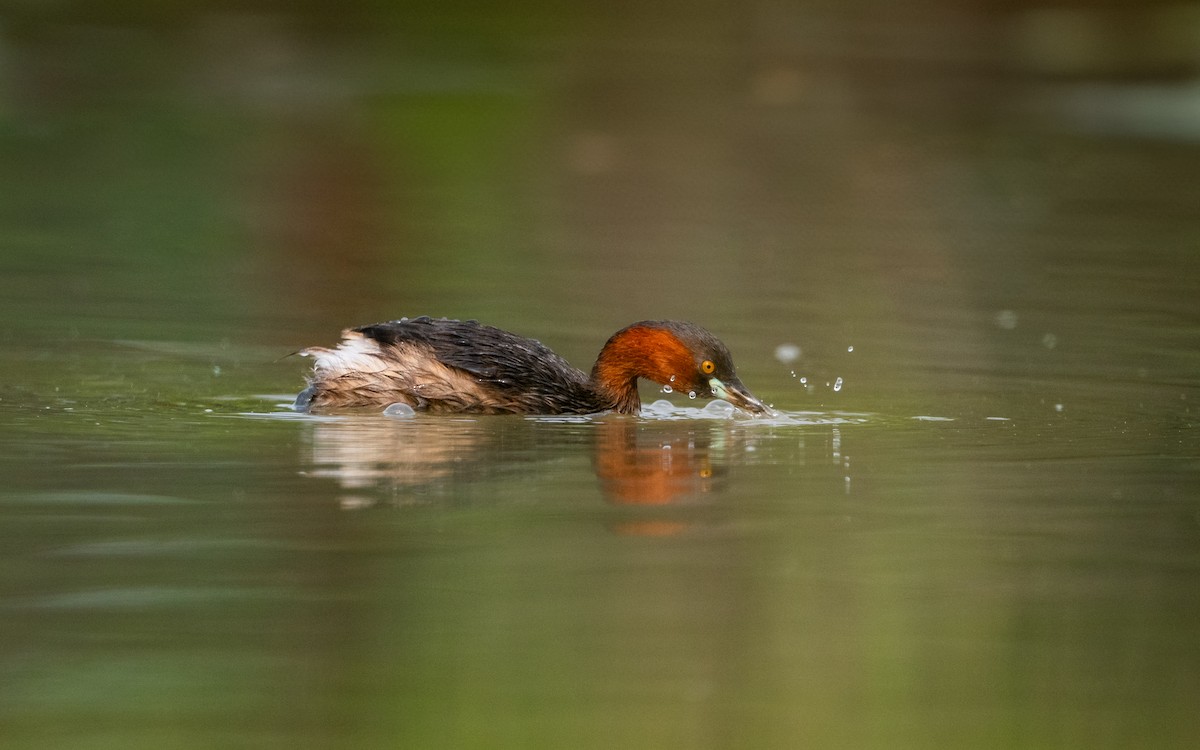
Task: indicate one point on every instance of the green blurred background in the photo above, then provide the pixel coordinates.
(246, 162)
(993, 203)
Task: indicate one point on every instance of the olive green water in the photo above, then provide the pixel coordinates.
(988, 536)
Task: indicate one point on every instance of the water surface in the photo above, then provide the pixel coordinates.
(987, 536)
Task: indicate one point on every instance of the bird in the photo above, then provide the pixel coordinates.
(444, 366)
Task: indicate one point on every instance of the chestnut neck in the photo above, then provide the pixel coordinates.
(639, 351)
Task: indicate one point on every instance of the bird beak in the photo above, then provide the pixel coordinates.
(735, 393)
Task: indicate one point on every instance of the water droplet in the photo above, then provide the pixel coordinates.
(787, 353)
(667, 388)
(793, 373)
(691, 394)
(837, 384)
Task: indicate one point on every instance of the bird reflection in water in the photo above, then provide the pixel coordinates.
(403, 462)
(669, 466)
(654, 472)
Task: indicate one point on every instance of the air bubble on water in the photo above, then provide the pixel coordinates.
(803, 381)
(1058, 407)
(837, 384)
(1049, 341)
(216, 371)
(672, 378)
(718, 408)
(660, 407)
(692, 395)
(849, 348)
(787, 353)
(667, 388)
(400, 411)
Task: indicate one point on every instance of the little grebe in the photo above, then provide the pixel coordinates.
(454, 366)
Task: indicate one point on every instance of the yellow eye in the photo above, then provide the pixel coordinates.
(707, 367)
